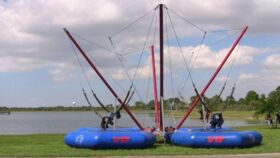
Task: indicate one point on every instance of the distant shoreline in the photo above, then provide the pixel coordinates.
(55, 108)
(228, 114)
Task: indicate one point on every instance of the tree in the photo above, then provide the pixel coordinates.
(252, 100)
(269, 106)
(177, 103)
(214, 102)
(274, 99)
(139, 105)
(251, 96)
(193, 98)
(229, 102)
(278, 88)
(151, 105)
(241, 101)
(262, 97)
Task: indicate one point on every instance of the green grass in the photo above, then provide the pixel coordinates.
(52, 145)
(244, 115)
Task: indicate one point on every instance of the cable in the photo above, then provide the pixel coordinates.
(150, 65)
(125, 100)
(200, 99)
(99, 65)
(84, 93)
(236, 78)
(225, 30)
(89, 103)
(193, 62)
(132, 23)
(139, 61)
(99, 102)
(201, 48)
(170, 63)
(181, 50)
(148, 84)
(91, 42)
(230, 97)
(171, 76)
(225, 83)
(188, 21)
(87, 80)
(131, 95)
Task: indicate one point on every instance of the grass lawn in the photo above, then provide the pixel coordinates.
(243, 115)
(52, 145)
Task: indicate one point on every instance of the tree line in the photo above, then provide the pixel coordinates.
(260, 103)
(253, 101)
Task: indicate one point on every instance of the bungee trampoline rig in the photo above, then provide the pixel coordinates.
(106, 137)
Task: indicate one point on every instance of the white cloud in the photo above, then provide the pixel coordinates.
(62, 72)
(32, 37)
(208, 58)
(258, 14)
(32, 33)
(223, 78)
(247, 77)
(61, 75)
(272, 62)
(142, 72)
(32, 29)
(271, 69)
(11, 64)
(263, 81)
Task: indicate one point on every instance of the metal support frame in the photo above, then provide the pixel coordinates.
(103, 79)
(155, 88)
(161, 50)
(211, 79)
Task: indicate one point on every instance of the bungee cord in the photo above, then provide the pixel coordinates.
(89, 85)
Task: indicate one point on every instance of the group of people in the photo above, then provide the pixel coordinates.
(207, 115)
(269, 119)
(217, 119)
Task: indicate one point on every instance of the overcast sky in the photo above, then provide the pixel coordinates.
(39, 67)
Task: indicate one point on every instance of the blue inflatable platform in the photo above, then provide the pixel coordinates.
(215, 139)
(120, 138)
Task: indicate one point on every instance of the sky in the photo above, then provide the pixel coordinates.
(39, 66)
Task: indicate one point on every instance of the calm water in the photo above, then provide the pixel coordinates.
(62, 122)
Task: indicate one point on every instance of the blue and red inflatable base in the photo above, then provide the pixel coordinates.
(120, 138)
(133, 138)
(215, 139)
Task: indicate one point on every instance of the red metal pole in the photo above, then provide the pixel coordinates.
(155, 87)
(212, 78)
(102, 78)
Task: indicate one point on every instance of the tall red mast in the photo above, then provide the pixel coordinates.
(102, 78)
(155, 88)
(212, 78)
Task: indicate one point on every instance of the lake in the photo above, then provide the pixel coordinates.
(63, 122)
